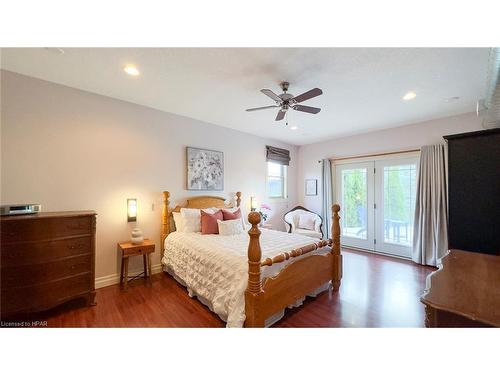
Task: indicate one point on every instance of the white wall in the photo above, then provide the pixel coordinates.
(69, 149)
(396, 139)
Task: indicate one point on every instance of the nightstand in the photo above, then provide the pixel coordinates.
(128, 249)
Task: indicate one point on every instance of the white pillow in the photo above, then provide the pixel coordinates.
(233, 210)
(229, 227)
(178, 221)
(307, 222)
(190, 212)
(192, 220)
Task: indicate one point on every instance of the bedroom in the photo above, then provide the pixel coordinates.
(247, 187)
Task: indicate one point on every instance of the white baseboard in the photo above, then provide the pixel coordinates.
(101, 282)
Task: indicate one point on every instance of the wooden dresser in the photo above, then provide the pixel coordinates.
(464, 291)
(46, 259)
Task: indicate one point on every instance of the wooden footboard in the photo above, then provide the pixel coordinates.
(263, 298)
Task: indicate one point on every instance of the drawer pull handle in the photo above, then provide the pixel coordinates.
(78, 246)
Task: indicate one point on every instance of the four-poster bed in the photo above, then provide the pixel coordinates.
(296, 273)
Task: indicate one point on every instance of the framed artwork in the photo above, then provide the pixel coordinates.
(311, 187)
(205, 169)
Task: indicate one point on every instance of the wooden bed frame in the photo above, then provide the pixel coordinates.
(266, 297)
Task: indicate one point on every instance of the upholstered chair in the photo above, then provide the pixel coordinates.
(302, 221)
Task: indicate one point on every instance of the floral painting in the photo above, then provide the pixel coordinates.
(205, 169)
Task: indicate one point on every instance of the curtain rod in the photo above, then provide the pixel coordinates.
(372, 155)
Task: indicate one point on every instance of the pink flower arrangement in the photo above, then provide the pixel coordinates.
(266, 207)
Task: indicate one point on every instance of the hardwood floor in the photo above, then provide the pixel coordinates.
(376, 291)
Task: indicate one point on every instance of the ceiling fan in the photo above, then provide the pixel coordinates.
(285, 101)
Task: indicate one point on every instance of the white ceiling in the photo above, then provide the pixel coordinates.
(362, 87)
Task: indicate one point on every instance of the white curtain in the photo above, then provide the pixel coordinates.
(327, 192)
(430, 240)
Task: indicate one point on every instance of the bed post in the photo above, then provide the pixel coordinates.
(165, 222)
(337, 256)
(254, 288)
(238, 198)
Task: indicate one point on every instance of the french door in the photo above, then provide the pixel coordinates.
(377, 199)
(355, 184)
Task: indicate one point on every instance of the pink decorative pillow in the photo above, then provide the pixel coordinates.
(228, 215)
(209, 222)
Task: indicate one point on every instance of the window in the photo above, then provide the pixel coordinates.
(276, 180)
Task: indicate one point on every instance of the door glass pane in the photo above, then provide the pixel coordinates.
(354, 199)
(399, 203)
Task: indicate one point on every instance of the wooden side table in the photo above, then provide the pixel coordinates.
(128, 249)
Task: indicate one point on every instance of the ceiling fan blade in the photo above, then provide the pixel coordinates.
(259, 108)
(272, 95)
(305, 108)
(308, 95)
(280, 116)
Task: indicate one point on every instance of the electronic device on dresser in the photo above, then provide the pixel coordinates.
(46, 259)
(19, 209)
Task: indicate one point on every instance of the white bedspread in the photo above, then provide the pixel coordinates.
(215, 267)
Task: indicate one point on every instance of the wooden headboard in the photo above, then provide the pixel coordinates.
(199, 202)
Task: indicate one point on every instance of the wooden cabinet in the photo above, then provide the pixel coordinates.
(464, 292)
(46, 259)
(474, 191)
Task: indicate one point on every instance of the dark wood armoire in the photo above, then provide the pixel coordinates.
(474, 191)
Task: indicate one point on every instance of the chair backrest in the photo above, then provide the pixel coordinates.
(292, 216)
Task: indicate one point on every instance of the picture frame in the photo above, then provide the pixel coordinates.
(311, 187)
(205, 169)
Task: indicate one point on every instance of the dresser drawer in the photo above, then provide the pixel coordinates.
(21, 276)
(20, 254)
(46, 228)
(38, 298)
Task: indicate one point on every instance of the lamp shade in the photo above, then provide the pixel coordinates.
(131, 209)
(253, 203)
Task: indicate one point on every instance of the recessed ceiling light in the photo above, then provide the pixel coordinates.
(132, 70)
(294, 127)
(410, 95)
(452, 99)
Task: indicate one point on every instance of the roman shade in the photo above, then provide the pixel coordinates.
(278, 155)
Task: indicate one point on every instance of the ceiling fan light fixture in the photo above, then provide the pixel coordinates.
(285, 101)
